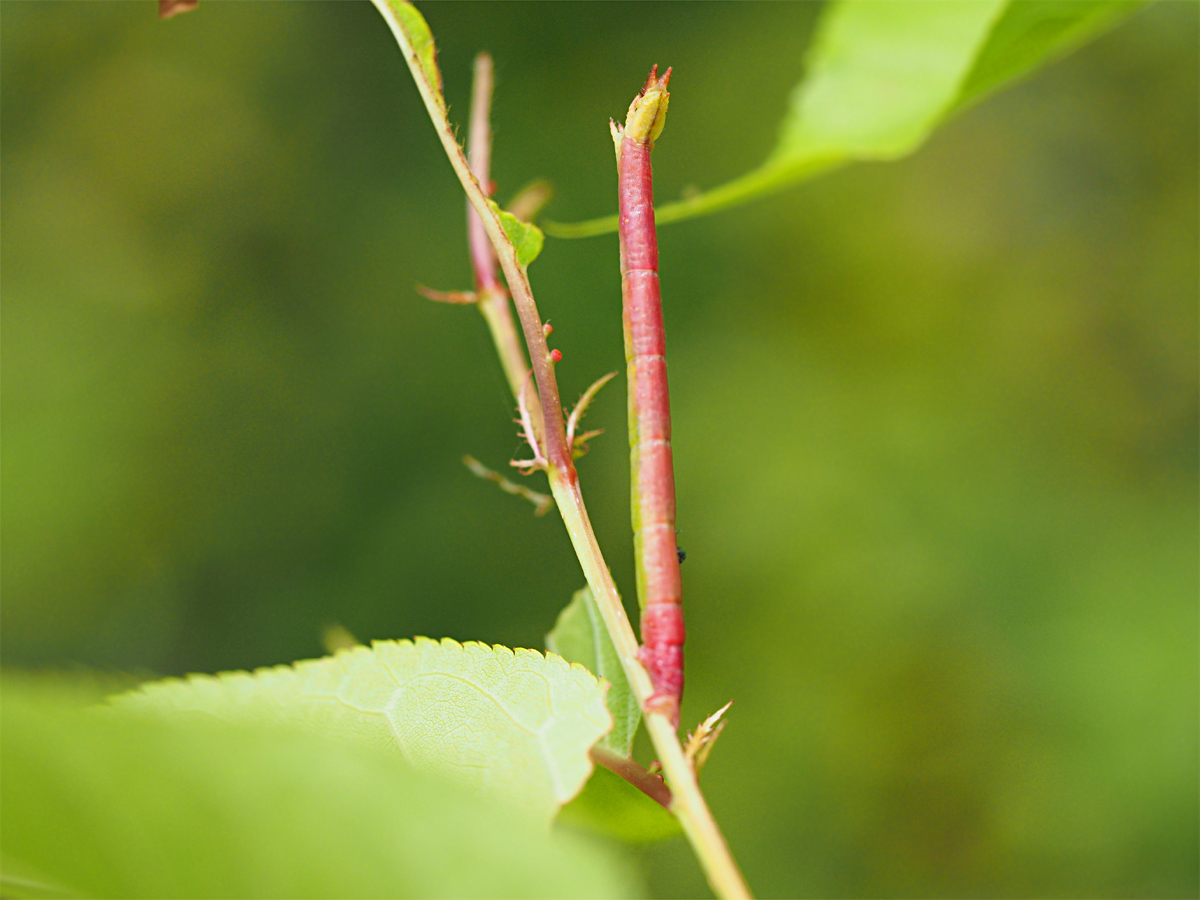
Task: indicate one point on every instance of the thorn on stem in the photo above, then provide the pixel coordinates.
(526, 422)
(579, 444)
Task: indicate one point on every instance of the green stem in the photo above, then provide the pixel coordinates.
(769, 179)
(687, 800)
(417, 48)
(416, 44)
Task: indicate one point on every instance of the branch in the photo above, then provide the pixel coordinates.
(492, 297)
(687, 804)
(416, 42)
(650, 785)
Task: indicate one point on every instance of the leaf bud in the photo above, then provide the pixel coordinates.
(648, 112)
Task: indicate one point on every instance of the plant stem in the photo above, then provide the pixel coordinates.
(416, 43)
(401, 18)
(492, 297)
(650, 785)
(687, 800)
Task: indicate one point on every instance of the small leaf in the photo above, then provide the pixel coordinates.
(611, 806)
(579, 635)
(526, 239)
(420, 42)
(514, 723)
(121, 805)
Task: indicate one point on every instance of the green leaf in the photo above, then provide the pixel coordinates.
(883, 75)
(613, 807)
(121, 805)
(526, 238)
(579, 636)
(418, 40)
(1034, 32)
(514, 723)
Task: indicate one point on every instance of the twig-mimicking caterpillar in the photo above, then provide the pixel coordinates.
(653, 477)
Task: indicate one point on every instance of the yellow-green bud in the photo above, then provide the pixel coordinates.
(648, 112)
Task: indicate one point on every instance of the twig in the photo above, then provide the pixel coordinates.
(492, 298)
(416, 43)
(651, 785)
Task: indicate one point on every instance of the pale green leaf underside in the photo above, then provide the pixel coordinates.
(119, 805)
(579, 635)
(516, 724)
(883, 74)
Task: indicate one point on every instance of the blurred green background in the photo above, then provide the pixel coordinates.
(936, 420)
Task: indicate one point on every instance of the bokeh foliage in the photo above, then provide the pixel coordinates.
(935, 420)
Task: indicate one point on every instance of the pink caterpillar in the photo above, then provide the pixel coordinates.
(660, 590)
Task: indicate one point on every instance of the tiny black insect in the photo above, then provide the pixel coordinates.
(682, 554)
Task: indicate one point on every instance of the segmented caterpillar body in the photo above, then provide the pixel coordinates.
(653, 477)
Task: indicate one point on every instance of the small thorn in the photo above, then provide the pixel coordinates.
(682, 554)
(527, 431)
(556, 355)
(581, 408)
(579, 445)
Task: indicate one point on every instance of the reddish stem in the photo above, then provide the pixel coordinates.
(660, 589)
(652, 786)
(479, 155)
(492, 298)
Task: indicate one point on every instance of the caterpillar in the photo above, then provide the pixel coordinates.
(660, 589)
